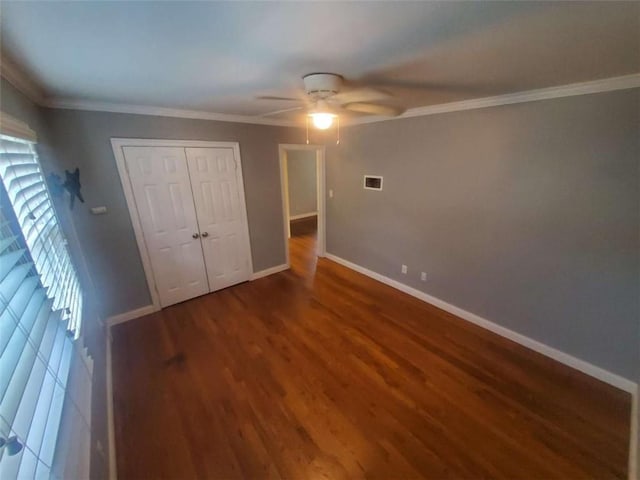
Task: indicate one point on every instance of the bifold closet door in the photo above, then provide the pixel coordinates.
(218, 194)
(162, 190)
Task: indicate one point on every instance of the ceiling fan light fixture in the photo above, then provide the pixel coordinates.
(322, 120)
(321, 116)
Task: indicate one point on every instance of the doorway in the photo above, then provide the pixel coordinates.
(302, 175)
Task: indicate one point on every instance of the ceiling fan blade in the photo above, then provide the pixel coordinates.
(374, 109)
(359, 95)
(284, 110)
(288, 99)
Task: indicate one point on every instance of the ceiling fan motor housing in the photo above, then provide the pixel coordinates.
(322, 85)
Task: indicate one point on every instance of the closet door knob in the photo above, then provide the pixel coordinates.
(205, 234)
(195, 235)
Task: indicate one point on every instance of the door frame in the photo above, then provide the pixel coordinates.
(117, 145)
(321, 197)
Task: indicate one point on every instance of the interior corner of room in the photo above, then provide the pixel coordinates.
(232, 254)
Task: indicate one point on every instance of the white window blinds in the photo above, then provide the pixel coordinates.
(27, 190)
(45, 377)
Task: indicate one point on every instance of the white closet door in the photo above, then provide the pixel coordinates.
(162, 191)
(218, 193)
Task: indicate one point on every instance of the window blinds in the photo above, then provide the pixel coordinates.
(25, 185)
(45, 376)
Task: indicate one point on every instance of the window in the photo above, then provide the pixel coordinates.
(44, 415)
(25, 185)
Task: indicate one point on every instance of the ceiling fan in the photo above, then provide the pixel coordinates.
(325, 95)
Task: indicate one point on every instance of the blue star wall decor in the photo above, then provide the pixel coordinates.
(72, 185)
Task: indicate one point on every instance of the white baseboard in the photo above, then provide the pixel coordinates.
(569, 360)
(634, 472)
(269, 271)
(111, 432)
(146, 310)
(131, 314)
(303, 215)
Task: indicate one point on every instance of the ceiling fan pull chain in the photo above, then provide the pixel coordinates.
(338, 120)
(307, 130)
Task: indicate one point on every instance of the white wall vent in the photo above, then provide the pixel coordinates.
(372, 182)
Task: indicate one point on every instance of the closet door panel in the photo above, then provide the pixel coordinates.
(162, 190)
(218, 195)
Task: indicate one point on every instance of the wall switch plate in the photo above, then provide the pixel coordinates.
(423, 276)
(99, 210)
(330, 193)
(404, 269)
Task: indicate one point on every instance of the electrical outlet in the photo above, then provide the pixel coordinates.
(423, 276)
(404, 269)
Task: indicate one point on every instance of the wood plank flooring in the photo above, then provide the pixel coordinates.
(322, 373)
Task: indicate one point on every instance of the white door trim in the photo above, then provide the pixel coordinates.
(117, 145)
(284, 191)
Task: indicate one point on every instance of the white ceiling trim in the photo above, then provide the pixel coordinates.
(19, 79)
(23, 83)
(583, 88)
(70, 104)
(13, 127)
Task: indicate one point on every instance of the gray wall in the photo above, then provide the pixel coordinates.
(527, 215)
(301, 173)
(83, 139)
(17, 105)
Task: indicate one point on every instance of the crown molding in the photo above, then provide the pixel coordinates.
(71, 104)
(13, 127)
(23, 83)
(16, 76)
(573, 89)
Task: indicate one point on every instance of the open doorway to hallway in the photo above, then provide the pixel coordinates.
(302, 179)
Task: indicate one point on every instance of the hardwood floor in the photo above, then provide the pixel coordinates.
(320, 372)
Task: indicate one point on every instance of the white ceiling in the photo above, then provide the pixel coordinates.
(218, 57)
